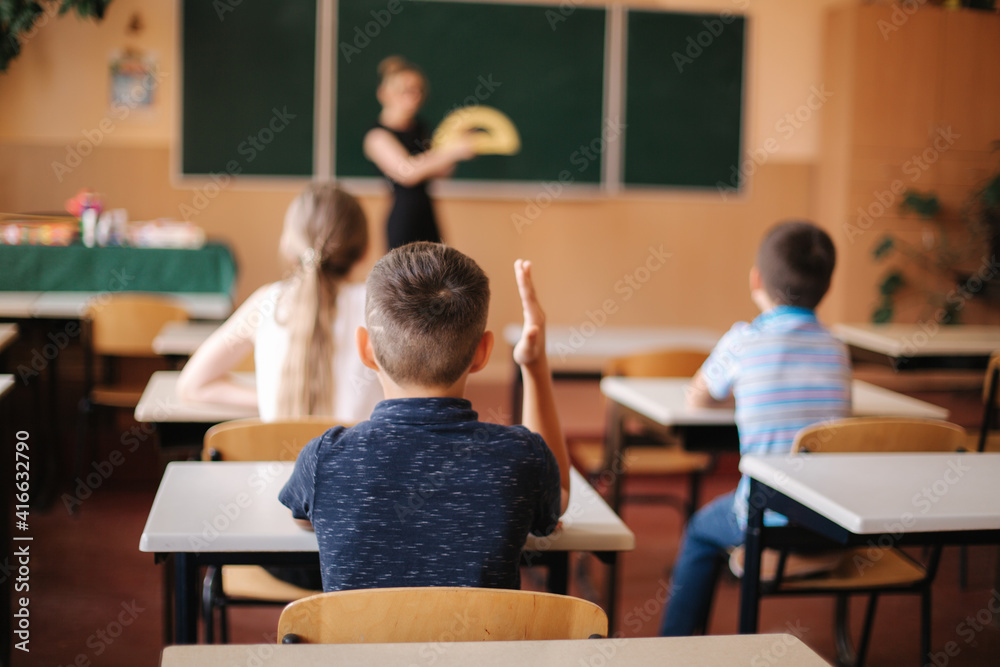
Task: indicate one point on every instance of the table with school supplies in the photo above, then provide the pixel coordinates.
(215, 513)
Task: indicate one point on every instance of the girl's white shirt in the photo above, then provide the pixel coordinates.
(356, 387)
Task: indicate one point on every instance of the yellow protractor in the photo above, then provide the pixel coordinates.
(492, 132)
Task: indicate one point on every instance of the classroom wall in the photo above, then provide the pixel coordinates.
(642, 259)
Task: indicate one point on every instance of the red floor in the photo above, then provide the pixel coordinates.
(95, 599)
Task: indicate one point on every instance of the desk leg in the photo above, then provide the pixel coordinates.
(167, 595)
(614, 439)
(558, 579)
(611, 591)
(185, 599)
(750, 591)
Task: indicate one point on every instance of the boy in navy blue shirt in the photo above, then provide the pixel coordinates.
(424, 494)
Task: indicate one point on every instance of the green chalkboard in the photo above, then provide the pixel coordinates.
(683, 99)
(541, 65)
(248, 82)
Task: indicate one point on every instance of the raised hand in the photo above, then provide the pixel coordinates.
(531, 347)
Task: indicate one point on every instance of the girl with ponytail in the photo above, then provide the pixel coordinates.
(301, 330)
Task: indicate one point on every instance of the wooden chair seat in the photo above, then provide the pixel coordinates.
(116, 396)
(252, 582)
(438, 614)
(252, 440)
(641, 460)
(853, 569)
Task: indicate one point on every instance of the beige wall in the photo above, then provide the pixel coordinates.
(55, 94)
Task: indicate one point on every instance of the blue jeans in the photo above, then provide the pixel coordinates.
(711, 531)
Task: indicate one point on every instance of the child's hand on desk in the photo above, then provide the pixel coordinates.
(530, 349)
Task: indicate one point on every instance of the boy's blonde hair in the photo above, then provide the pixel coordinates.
(425, 311)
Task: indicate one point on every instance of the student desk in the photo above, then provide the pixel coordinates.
(180, 422)
(214, 513)
(581, 352)
(771, 650)
(181, 339)
(659, 403)
(916, 346)
(864, 498)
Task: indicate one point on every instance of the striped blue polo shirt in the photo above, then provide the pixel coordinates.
(786, 372)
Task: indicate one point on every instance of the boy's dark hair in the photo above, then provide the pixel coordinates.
(795, 261)
(426, 311)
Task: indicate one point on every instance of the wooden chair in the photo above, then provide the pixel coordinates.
(118, 329)
(252, 440)
(885, 570)
(638, 456)
(988, 439)
(438, 614)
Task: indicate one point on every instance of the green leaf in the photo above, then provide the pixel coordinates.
(926, 206)
(891, 283)
(883, 313)
(883, 247)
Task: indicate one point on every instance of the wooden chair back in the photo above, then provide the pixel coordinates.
(256, 440)
(880, 434)
(992, 379)
(662, 363)
(991, 401)
(124, 324)
(438, 614)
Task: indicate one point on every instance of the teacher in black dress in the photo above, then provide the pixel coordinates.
(399, 145)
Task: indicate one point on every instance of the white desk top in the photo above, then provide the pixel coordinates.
(18, 304)
(6, 384)
(8, 334)
(183, 338)
(879, 493)
(229, 507)
(587, 347)
(640, 651)
(71, 304)
(663, 401)
(159, 403)
(913, 340)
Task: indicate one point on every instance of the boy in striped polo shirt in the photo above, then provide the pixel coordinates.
(784, 371)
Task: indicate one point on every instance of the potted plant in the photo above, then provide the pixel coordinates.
(947, 269)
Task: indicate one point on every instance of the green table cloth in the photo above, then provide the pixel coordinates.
(75, 268)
